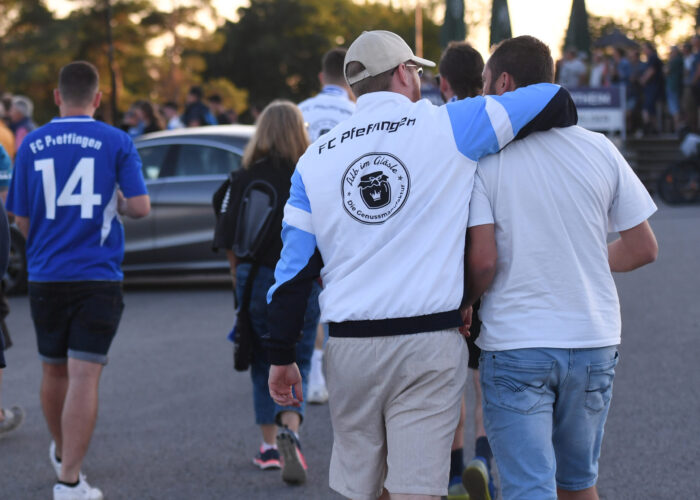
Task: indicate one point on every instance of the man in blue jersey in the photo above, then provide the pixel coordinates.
(72, 179)
(378, 208)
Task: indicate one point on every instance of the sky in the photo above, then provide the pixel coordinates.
(544, 19)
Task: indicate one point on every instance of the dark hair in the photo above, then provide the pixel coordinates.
(525, 58)
(196, 90)
(215, 98)
(377, 83)
(78, 82)
(332, 65)
(461, 65)
(149, 113)
(171, 105)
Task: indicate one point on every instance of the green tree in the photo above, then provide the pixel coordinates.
(500, 22)
(275, 49)
(454, 27)
(578, 34)
(654, 24)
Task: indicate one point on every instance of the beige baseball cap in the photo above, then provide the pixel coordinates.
(379, 51)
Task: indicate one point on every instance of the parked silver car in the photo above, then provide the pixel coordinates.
(183, 168)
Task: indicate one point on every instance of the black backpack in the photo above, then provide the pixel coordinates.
(256, 208)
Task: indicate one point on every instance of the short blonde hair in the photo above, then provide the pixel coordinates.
(280, 132)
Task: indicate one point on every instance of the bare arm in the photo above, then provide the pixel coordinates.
(635, 248)
(232, 262)
(481, 261)
(134, 207)
(23, 225)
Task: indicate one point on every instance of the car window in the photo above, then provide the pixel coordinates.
(153, 158)
(195, 159)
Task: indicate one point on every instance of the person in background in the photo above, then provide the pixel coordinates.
(637, 68)
(600, 70)
(20, 114)
(279, 140)
(572, 72)
(539, 219)
(7, 138)
(196, 112)
(172, 118)
(674, 86)
(689, 107)
(460, 69)
(218, 109)
(322, 112)
(10, 418)
(652, 83)
(152, 122)
(75, 246)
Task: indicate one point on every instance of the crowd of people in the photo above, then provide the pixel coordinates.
(144, 117)
(661, 96)
(439, 206)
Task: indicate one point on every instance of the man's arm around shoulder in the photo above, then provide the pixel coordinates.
(635, 248)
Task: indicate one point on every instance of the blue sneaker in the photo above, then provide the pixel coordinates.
(477, 480)
(269, 459)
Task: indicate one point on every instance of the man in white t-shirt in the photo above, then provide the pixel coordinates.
(539, 217)
(334, 104)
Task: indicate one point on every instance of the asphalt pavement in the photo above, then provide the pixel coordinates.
(176, 422)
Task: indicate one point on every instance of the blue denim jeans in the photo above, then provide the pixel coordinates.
(544, 413)
(266, 411)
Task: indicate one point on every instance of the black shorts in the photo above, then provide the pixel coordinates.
(75, 319)
(474, 330)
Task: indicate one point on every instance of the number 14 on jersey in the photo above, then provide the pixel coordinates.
(83, 173)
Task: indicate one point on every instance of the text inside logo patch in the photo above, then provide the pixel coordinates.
(375, 187)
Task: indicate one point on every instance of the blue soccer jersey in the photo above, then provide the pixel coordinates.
(65, 181)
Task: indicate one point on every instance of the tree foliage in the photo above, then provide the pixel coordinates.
(654, 24)
(275, 49)
(34, 44)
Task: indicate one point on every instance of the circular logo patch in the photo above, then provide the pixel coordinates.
(321, 127)
(375, 187)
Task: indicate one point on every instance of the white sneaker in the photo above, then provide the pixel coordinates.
(56, 464)
(13, 419)
(82, 491)
(317, 392)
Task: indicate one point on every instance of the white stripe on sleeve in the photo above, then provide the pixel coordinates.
(500, 121)
(298, 218)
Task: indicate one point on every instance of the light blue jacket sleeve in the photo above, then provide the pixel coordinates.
(484, 125)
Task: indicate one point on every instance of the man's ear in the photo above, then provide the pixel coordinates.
(57, 97)
(506, 83)
(98, 99)
(445, 86)
(321, 79)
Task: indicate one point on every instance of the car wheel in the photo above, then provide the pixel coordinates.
(15, 280)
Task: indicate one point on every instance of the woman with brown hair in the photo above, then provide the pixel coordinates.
(269, 158)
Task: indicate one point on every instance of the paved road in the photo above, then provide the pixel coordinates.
(177, 423)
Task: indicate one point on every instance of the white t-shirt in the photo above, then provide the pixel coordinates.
(326, 110)
(553, 198)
